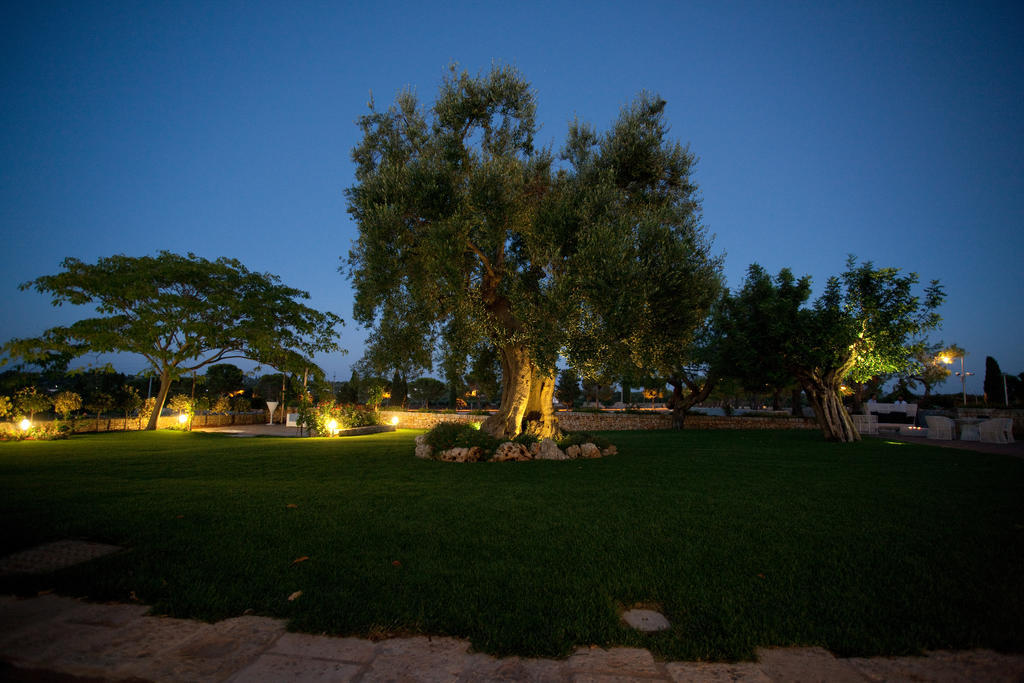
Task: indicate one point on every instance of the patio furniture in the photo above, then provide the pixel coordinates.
(940, 427)
(997, 430)
(969, 428)
(865, 424)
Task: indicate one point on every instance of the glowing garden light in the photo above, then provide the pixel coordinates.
(25, 425)
(394, 421)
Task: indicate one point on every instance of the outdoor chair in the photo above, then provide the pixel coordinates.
(940, 427)
(998, 430)
(865, 424)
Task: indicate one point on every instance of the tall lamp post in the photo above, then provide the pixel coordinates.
(963, 375)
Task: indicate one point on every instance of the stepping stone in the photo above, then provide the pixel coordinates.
(53, 556)
(645, 620)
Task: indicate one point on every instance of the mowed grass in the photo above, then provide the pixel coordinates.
(742, 539)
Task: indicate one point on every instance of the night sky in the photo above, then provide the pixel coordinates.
(893, 131)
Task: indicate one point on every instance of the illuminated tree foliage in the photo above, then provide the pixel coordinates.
(928, 366)
(181, 313)
(861, 326)
(465, 225)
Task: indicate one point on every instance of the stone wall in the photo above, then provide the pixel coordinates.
(417, 420)
(609, 421)
(117, 424)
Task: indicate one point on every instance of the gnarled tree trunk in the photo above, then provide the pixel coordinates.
(526, 398)
(540, 420)
(823, 392)
(681, 402)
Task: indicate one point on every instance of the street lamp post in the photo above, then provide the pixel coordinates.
(963, 374)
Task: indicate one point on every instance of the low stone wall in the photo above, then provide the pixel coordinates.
(600, 422)
(84, 425)
(416, 420)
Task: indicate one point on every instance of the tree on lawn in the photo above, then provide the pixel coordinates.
(861, 326)
(697, 372)
(181, 313)
(927, 366)
(464, 224)
(427, 389)
(755, 325)
(568, 390)
(224, 378)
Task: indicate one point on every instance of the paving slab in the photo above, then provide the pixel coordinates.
(18, 615)
(485, 668)
(352, 650)
(744, 672)
(214, 653)
(128, 651)
(806, 665)
(418, 659)
(274, 668)
(595, 661)
(53, 556)
(947, 667)
(51, 638)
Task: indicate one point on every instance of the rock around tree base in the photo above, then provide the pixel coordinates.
(511, 451)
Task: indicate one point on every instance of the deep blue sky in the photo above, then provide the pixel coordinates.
(893, 131)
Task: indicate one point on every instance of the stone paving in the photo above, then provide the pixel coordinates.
(53, 556)
(51, 638)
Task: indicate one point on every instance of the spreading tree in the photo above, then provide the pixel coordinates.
(180, 313)
(465, 225)
(224, 378)
(863, 325)
(928, 366)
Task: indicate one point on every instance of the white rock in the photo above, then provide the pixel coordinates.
(510, 451)
(549, 450)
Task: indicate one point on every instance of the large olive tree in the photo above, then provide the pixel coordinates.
(464, 224)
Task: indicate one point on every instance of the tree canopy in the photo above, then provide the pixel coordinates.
(863, 325)
(181, 313)
(466, 228)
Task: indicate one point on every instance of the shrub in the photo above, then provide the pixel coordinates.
(317, 418)
(526, 439)
(221, 405)
(146, 409)
(458, 435)
(48, 431)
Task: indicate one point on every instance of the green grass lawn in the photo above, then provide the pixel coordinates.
(743, 539)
